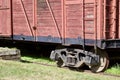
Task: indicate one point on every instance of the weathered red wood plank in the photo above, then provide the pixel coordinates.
(5, 18)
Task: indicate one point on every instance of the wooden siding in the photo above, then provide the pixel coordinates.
(5, 18)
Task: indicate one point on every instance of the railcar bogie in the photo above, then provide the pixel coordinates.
(76, 58)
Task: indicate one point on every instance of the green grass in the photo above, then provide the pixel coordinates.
(11, 70)
(115, 70)
(38, 60)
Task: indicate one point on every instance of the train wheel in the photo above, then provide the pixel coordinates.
(104, 62)
(60, 62)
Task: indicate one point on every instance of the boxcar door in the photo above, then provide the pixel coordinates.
(5, 18)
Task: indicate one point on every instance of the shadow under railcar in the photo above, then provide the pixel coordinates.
(29, 49)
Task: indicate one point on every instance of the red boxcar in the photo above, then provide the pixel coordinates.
(93, 25)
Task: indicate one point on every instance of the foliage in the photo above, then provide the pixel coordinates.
(38, 60)
(115, 70)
